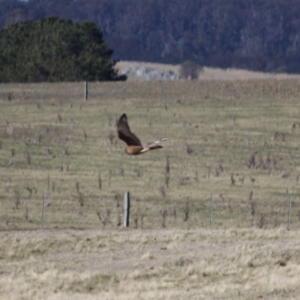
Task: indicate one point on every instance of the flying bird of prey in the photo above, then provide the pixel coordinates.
(134, 145)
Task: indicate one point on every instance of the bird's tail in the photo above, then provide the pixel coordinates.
(153, 145)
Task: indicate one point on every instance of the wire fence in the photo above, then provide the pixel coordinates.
(222, 89)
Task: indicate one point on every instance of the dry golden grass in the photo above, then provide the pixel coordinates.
(55, 144)
(228, 139)
(143, 264)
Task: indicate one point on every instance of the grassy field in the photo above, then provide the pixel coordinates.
(209, 211)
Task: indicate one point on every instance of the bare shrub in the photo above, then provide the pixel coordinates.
(242, 179)
(262, 221)
(111, 137)
(10, 96)
(251, 162)
(167, 180)
(8, 184)
(38, 105)
(85, 136)
(17, 198)
(219, 169)
(186, 210)
(162, 191)
(175, 212)
(142, 219)
(208, 171)
(119, 219)
(279, 136)
(80, 196)
(163, 215)
(136, 220)
(26, 213)
(39, 138)
(29, 191)
(139, 171)
(223, 201)
(167, 168)
(188, 149)
(48, 151)
(181, 179)
(232, 179)
(109, 177)
(111, 121)
(118, 199)
(189, 70)
(167, 171)
(99, 181)
(261, 163)
(59, 118)
(104, 219)
(66, 151)
(77, 187)
(121, 170)
(252, 204)
(196, 172)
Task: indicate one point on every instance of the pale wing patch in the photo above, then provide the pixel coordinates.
(156, 142)
(145, 150)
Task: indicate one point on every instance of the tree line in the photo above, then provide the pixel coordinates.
(253, 34)
(55, 49)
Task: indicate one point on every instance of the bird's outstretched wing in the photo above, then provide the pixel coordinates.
(125, 134)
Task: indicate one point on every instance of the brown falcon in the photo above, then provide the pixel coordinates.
(134, 145)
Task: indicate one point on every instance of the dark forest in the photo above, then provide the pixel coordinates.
(252, 34)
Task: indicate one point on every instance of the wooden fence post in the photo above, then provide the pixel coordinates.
(43, 211)
(211, 211)
(207, 89)
(289, 214)
(41, 91)
(126, 209)
(86, 90)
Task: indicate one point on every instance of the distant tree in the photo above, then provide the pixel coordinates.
(54, 49)
(189, 70)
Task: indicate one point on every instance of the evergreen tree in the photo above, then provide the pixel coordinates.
(54, 49)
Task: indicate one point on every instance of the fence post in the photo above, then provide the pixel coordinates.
(211, 211)
(289, 214)
(123, 91)
(207, 89)
(86, 90)
(126, 209)
(41, 91)
(43, 211)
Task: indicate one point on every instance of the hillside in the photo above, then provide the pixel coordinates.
(257, 35)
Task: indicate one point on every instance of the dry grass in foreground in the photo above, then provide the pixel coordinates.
(148, 264)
